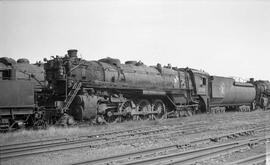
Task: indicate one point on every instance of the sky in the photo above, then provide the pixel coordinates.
(225, 38)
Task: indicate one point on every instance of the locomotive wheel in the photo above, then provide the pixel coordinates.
(159, 107)
(110, 118)
(145, 107)
(126, 109)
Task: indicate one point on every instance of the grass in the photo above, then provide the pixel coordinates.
(58, 132)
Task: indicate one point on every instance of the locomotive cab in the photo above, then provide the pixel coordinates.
(6, 74)
(200, 81)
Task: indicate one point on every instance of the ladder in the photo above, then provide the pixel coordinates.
(70, 97)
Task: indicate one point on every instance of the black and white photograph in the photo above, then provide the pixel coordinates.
(134, 82)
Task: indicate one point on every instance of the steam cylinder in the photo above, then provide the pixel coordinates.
(84, 107)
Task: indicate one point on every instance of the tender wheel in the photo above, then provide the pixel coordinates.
(38, 121)
(159, 108)
(144, 107)
(40, 124)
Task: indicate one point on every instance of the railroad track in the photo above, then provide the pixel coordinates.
(158, 155)
(191, 157)
(97, 137)
(12, 152)
(172, 155)
(53, 141)
(109, 133)
(257, 159)
(125, 132)
(59, 144)
(28, 148)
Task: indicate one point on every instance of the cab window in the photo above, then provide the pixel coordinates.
(203, 81)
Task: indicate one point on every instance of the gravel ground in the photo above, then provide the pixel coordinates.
(218, 125)
(234, 156)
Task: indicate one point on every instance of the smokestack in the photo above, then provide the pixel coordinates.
(72, 52)
(251, 80)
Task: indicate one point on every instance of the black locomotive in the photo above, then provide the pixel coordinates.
(109, 91)
(262, 93)
(21, 87)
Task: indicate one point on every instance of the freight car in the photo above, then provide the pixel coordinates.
(109, 91)
(20, 83)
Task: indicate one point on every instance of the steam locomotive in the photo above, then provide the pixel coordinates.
(106, 91)
(262, 98)
(21, 87)
(109, 91)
